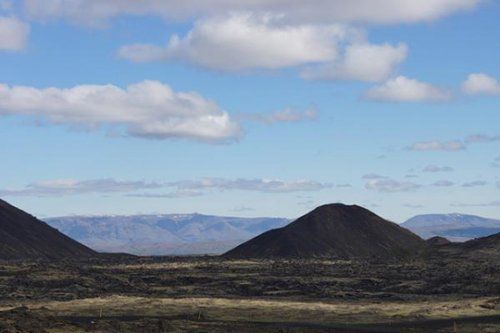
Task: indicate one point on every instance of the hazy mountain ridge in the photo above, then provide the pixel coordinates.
(455, 227)
(163, 234)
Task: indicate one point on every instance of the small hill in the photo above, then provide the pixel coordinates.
(336, 231)
(455, 227)
(437, 241)
(483, 249)
(22, 236)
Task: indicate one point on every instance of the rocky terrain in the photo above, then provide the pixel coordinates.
(405, 284)
(183, 294)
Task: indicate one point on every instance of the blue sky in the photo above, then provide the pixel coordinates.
(260, 108)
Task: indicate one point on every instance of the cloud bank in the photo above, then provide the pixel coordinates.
(98, 12)
(147, 109)
(13, 34)
(179, 189)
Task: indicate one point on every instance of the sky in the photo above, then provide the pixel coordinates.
(250, 108)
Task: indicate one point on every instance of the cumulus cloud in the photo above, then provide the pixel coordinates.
(443, 183)
(63, 187)
(476, 183)
(361, 61)
(288, 115)
(244, 42)
(146, 109)
(98, 12)
(259, 185)
(249, 41)
(481, 84)
(454, 145)
(13, 34)
(403, 89)
(437, 168)
(391, 185)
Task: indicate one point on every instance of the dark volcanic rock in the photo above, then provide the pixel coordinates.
(438, 241)
(22, 236)
(334, 230)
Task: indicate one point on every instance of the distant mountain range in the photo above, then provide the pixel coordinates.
(23, 236)
(172, 234)
(181, 234)
(334, 231)
(455, 227)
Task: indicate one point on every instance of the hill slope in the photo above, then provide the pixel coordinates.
(485, 249)
(333, 230)
(22, 236)
(166, 234)
(455, 227)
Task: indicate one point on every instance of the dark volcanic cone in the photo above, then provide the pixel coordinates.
(335, 231)
(22, 236)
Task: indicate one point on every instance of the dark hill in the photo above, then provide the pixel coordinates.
(483, 249)
(437, 241)
(334, 230)
(22, 236)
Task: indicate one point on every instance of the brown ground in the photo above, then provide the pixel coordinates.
(206, 294)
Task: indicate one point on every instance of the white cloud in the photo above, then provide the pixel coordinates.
(147, 109)
(6, 5)
(361, 61)
(179, 189)
(481, 138)
(172, 195)
(496, 163)
(373, 176)
(454, 145)
(476, 183)
(61, 187)
(260, 185)
(13, 34)
(243, 42)
(487, 204)
(414, 206)
(443, 183)
(437, 168)
(287, 115)
(481, 84)
(95, 12)
(390, 185)
(403, 89)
